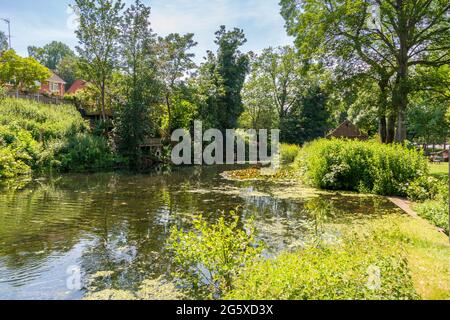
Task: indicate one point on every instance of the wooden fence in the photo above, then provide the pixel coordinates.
(38, 98)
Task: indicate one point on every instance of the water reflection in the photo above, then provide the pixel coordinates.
(119, 223)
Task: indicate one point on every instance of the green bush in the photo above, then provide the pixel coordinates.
(210, 257)
(362, 267)
(11, 167)
(436, 209)
(423, 188)
(36, 136)
(44, 122)
(364, 166)
(84, 152)
(289, 152)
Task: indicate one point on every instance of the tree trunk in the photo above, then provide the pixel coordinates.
(382, 103)
(390, 132)
(169, 113)
(103, 101)
(382, 128)
(401, 90)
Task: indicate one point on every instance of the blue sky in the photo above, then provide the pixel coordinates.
(39, 22)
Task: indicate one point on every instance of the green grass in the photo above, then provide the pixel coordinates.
(439, 169)
(412, 257)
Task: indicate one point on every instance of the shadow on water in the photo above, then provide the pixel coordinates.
(119, 222)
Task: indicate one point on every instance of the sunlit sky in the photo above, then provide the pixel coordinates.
(40, 22)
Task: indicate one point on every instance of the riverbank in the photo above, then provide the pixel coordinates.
(426, 247)
(37, 137)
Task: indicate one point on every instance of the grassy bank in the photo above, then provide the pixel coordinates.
(397, 257)
(37, 137)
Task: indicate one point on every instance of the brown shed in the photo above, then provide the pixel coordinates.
(347, 130)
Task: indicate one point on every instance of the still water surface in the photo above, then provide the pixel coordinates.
(119, 223)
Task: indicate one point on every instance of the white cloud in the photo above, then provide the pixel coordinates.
(260, 20)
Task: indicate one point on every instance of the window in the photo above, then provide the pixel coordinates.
(53, 87)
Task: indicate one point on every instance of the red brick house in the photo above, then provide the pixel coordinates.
(54, 86)
(77, 86)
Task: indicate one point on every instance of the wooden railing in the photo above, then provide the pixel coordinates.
(38, 98)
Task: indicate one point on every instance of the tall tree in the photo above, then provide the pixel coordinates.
(282, 69)
(405, 34)
(51, 54)
(260, 110)
(98, 36)
(140, 84)
(226, 71)
(175, 61)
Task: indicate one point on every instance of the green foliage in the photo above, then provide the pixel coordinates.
(210, 257)
(44, 122)
(37, 136)
(175, 61)
(362, 267)
(308, 119)
(423, 188)
(98, 35)
(134, 124)
(19, 151)
(3, 94)
(289, 152)
(68, 70)
(361, 166)
(84, 152)
(51, 54)
(348, 33)
(23, 73)
(223, 76)
(435, 206)
(426, 121)
(10, 166)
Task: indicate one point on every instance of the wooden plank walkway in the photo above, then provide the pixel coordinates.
(403, 204)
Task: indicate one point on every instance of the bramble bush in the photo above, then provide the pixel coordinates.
(364, 166)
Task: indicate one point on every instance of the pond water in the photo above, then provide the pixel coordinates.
(118, 223)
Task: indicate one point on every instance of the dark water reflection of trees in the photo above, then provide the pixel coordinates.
(119, 222)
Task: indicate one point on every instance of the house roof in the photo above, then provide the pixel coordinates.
(347, 130)
(55, 78)
(77, 85)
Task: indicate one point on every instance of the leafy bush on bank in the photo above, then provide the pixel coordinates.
(210, 257)
(364, 166)
(435, 209)
(37, 136)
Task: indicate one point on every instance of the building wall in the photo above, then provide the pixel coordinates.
(45, 88)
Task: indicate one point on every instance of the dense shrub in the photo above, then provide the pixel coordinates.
(289, 152)
(84, 152)
(37, 136)
(362, 267)
(361, 166)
